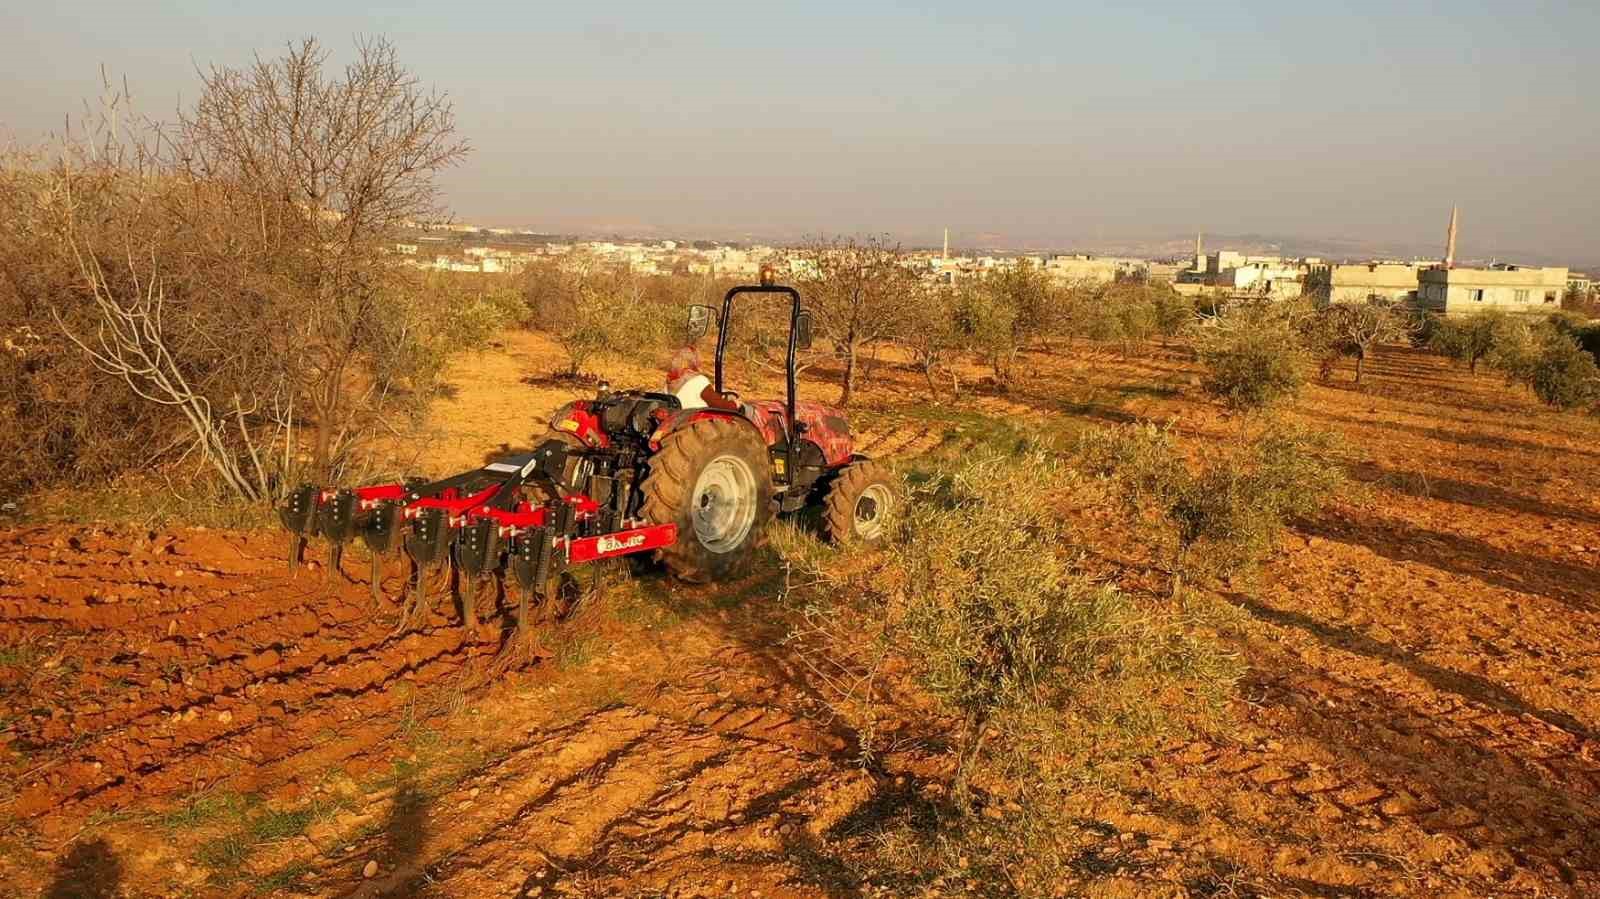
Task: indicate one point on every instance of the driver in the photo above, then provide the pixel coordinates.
(689, 384)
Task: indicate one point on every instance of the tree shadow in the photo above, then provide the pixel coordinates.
(1078, 408)
(405, 830)
(1465, 773)
(1422, 485)
(1576, 586)
(504, 451)
(1441, 381)
(1462, 438)
(895, 804)
(1468, 686)
(763, 638)
(1223, 878)
(89, 871)
(559, 380)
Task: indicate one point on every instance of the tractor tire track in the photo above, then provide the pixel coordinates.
(618, 799)
(169, 686)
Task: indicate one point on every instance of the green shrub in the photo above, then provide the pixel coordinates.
(1043, 677)
(1252, 354)
(994, 618)
(1137, 318)
(1469, 339)
(980, 602)
(1173, 311)
(1587, 334)
(1221, 516)
(1517, 344)
(1563, 374)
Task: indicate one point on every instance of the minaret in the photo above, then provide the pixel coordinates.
(946, 254)
(1450, 238)
(1199, 252)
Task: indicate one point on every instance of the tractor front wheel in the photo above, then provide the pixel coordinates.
(861, 503)
(714, 481)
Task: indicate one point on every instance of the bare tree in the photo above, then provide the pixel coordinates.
(860, 290)
(566, 300)
(107, 201)
(326, 165)
(233, 268)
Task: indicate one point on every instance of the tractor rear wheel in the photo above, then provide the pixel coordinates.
(713, 480)
(861, 503)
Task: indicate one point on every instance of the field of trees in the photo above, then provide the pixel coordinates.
(1249, 598)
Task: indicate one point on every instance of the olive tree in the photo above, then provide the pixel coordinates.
(1356, 329)
(1564, 374)
(1470, 339)
(987, 320)
(1252, 353)
(934, 335)
(861, 291)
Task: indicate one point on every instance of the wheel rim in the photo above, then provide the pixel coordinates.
(872, 511)
(724, 503)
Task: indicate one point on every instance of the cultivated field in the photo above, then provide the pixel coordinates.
(180, 716)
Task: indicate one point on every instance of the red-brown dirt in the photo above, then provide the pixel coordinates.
(1419, 717)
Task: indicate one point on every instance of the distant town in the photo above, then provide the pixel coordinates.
(1437, 285)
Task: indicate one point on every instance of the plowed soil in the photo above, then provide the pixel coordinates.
(181, 715)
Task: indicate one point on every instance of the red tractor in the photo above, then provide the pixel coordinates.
(624, 473)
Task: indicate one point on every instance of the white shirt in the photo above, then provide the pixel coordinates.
(689, 393)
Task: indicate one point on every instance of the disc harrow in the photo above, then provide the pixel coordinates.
(517, 516)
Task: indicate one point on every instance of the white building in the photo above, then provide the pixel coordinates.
(1511, 288)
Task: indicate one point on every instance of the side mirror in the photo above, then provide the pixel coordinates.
(802, 330)
(699, 321)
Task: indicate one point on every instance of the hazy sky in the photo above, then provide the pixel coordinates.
(1054, 122)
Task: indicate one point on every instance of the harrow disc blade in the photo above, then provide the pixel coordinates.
(530, 559)
(375, 579)
(335, 558)
(525, 602)
(336, 517)
(296, 516)
(478, 548)
(296, 512)
(381, 530)
(429, 540)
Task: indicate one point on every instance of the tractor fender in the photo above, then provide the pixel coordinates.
(673, 421)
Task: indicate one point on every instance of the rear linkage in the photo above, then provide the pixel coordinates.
(483, 522)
